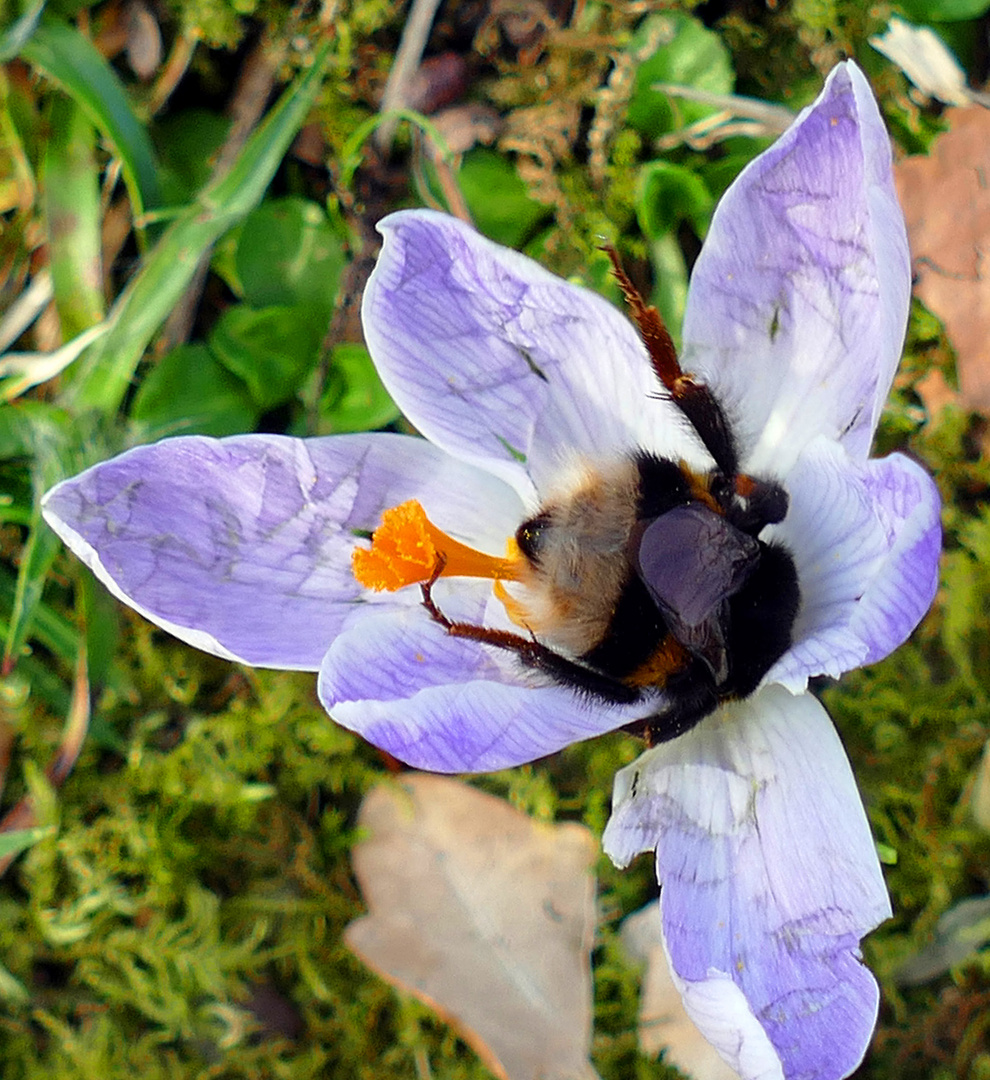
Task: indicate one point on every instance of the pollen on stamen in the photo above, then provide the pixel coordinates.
(401, 551)
(406, 547)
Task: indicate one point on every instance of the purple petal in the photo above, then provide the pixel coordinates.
(907, 502)
(866, 540)
(769, 880)
(447, 704)
(799, 299)
(500, 362)
(242, 546)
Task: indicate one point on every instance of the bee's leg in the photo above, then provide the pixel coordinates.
(767, 501)
(693, 398)
(532, 653)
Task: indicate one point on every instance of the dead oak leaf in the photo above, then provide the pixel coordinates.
(485, 915)
(946, 201)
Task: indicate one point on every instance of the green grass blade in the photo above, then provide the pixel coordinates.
(17, 32)
(105, 371)
(64, 55)
(51, 629)
(13, 843)
(71, 191)
(48, 440)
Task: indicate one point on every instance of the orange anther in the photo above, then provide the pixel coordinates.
(405, 549)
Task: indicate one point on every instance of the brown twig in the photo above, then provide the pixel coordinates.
(175, 67)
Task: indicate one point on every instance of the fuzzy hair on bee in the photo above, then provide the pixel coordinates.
(575, 555)
(641, 578)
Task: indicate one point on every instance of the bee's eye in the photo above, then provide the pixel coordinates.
(530, 536)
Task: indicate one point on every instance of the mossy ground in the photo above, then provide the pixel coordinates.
(184, 916)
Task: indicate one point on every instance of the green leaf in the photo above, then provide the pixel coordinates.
(18, 127)
(12, 843)
(671, 276)
(49, 443)
(355, 399)
(668, 194)
(735, 154)
(36, 558)
(71, 190)
(50, 628)
(18, 424)
(189, 391)
(497, 198)
(924, 11)
(101, 620)
(188, 143)
(679, 50)
(107, 368)
(64, 55)
(288, 254)
(271, 349)
(12, 39)
(45, 685)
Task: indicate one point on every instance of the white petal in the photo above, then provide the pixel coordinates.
(798, 301)
(504, 365)
(769, 879)
(866, 538)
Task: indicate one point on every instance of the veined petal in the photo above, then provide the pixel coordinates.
(242, 546)
(503, 364)
(799, 298)
(866, 540)
(721, 1012)
(769, 880)
(447, 704)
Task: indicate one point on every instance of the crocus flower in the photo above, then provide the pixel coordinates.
(245, 547)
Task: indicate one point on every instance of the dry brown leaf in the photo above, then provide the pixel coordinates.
(465, 126)
(946, 200)
(144, 40)
(484, 914)
(663, 1023)
(935, 392)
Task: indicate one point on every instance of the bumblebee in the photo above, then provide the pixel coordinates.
(643, 575)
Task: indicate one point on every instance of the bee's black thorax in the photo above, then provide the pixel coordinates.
(746, 590)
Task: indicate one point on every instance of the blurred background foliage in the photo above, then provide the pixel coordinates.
(188, 192)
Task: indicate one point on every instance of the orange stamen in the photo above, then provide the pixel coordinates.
(407, 546)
